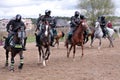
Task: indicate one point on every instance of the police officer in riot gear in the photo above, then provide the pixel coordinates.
(52, 23)
(75, 20)
(12, 27)
(103, 25)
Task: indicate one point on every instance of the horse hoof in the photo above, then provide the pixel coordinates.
(46, 58)
(20, 66)
(12, 69)
(82, 55)
(44, 64)
(67, 56)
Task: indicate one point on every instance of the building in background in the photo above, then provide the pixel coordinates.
(4, 22)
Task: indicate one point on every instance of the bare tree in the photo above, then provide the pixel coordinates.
(94, 8)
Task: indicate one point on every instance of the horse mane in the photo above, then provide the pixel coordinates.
(80, 24)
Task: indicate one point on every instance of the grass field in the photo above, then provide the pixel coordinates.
(31, 38)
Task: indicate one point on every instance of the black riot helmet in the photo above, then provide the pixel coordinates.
(99, 18)
(47, 12)
(82, 16)
(18, 17)
(76, 14)
(102, 17)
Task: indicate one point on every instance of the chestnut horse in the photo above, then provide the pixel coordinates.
(15, 47)
(59, 35)
(77, 38)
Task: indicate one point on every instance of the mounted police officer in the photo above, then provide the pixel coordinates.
(75, 20)
(87, 31)
(103, 25)
(52, 23)
(12, 27)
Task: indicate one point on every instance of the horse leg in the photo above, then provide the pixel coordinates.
(82, 49)
(87, 39)
(67, 46)
(74, 50)
(57, 43)
(111, 42)
(12, 61)
(99, 44)
(21, 60)
(68, 53)
(7, 56)
(47, 53)
(43, 57)
(92, 40)
(40, 57)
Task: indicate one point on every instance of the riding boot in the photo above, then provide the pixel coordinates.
(52, 40)
(104, 34)
(24, 46)
(69, 38)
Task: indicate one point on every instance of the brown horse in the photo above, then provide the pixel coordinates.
(59, 35)
(15, 47)
(77, 38)
(44, 46)
(91, 35)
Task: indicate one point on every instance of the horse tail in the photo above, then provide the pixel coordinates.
(115, 30)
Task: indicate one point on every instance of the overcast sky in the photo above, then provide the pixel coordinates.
(31, 8)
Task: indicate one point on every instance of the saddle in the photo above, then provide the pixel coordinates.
(13, 44)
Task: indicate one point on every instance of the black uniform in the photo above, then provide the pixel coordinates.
(12, 28)
(13, 25)
(52, 23)
(75, 20)
(103, 26)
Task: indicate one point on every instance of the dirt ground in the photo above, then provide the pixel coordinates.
(96, 64)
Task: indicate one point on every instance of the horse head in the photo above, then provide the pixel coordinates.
(97, 24)
(46, 28)
(83, 24)
(19, 35)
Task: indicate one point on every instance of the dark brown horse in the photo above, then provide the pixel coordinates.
(77, 38)
(59, 35)
(15, 47)
(44, 46)
(91, 35)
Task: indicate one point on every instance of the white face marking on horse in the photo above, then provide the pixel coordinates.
(97, 24)
(46, 31)
(83, 23)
